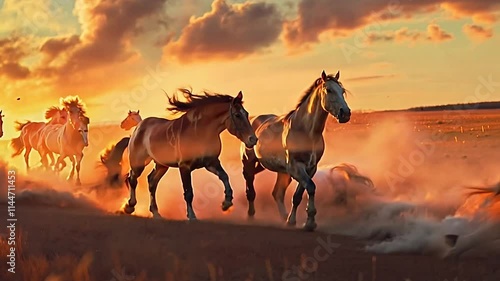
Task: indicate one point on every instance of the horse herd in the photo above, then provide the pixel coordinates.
(291, 145)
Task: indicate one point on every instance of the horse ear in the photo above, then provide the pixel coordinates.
(129, 111)
(138, 111)
(239, 97)
(337, 76)
(323, 76)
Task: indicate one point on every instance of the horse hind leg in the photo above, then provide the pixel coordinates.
(251, 167)
(27, 152)
(283, 180)
(153, 179)
(131, 182)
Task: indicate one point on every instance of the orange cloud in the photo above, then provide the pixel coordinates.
(316, 17)
(12, 51)
(478, 32)
(228, 31)
(83, 63)
(434, 34)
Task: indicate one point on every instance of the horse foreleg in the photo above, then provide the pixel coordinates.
(79, 158)
(299, 173)
(188, 191)
(73, 167)
(153, 179)
(282, 182)
(216, 168)
(250, 168)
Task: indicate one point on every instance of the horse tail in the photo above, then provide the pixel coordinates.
(111, 159)
(17, 144)
(19, 126)
(353, 174)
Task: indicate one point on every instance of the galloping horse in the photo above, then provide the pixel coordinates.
(1, 123)
(69, 139)
(189, 142)
(132, 119)
(30, 135)
(292, 145)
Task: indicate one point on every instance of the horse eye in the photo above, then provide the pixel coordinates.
(237, 114)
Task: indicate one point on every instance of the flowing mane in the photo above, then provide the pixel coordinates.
(73, 101)
(309, 91)
(195, 101)
(51, 112)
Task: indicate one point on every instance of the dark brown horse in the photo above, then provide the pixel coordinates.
(189, 142)
(292, 145)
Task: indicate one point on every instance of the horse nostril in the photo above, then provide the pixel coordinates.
(252, 139)
(341, 113)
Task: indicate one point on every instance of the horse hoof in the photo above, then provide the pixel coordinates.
(310, 226)
(226, 205)
(157, 216)
(128, 209)
(291, 223)
(251, 213)
(78, 183)
(192, 219)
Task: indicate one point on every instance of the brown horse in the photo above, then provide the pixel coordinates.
(292, 145)
(189, 142)
(69, 139)
(30, 135)
(132, 119)
(1, 123)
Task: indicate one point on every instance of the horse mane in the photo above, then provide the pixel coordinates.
(73, 101)
(195, 101)
(51, 112)
(309, 91)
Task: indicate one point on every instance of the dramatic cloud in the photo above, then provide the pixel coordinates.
(434, 34)
(316, 17)
(478, 32)
(227, 32)
(108, 28)
(12, 51)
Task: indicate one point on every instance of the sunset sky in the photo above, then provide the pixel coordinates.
(121, 54)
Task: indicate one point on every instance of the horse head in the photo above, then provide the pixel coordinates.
(132, 119)
(333, 97)
(238, 124)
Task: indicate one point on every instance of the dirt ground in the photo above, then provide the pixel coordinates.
(71, 236)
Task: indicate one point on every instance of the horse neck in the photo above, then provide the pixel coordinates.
(69, 129)
(310, 116)
(214, 116)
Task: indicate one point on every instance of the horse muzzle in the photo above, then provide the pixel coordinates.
(344, 115)
(251, 141)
